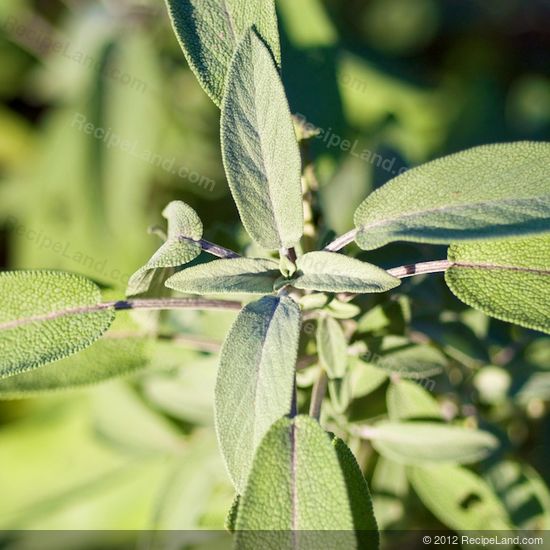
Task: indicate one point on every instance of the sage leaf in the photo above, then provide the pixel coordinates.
(255, 379)
(301, 492)
(46, 316)
(236, 275)
(332, 347)
(407, 400)
(331, 272)
(422, 442)
(210, 30)
(181, 246)
(507, 279)
(259, 147)
(490, 191)
(459, 498)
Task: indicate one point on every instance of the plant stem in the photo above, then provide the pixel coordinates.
(341, 241)
(318, 394)
(214, 249)
(439, 266)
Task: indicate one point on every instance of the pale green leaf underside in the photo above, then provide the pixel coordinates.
(507, 279)
(331, 272)
(412, 361)
(181, 246)
(459, 498)
(255, 379)
(332, 347)
(490, 191)
(45, 316)
(210, 30)
(297, 495)
(238, 275)
(407, 400)
(259, 147)
(422, 442)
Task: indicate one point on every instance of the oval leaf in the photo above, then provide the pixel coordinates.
(255, 379)
(238, 275)
(471, 195)
(332, 347)
(508, 279)
(210, 30)
(331, 272)
(46, 316)
(260, 151)
(406, 400)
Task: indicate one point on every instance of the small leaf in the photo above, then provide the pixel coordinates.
(365, 378)
(407, 400)
(238, 275)
(459, 498)
(332, 347)
(508, 279)
(422, 442)
(260, 151)
(471, 195)
(180, 248)
(304, 492)
(343, 310)
(210, 30)
(331, 272)
(255, 379)
(46, 316)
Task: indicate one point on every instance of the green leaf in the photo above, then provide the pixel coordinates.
(508, 279)
(459, 498)
(210, 30)
(46, 316)
(260, 151)
(332, 347)
(430, 442)
(485, 192)
(331, 272)
(365, 378)
(180, 248)
(407, 400)
(301, 492)
(238, 275)
(231, 519)
(255, 379)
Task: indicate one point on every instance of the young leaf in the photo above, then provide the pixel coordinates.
(331, 272)
(406, 400)
(332, 347)
(459, 498)
(255, 379)
(302, 491)
(423, 442)
(210, 30)
(180, 248)
(472, 195)
(508, 279)
(235, 275)
(259, 148)
(46, 316)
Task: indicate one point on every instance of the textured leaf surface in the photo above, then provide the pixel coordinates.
(332, 347)
(421, 442)
(406, 400)
(210, 30)
(260, 151)
(331, 272)
(507, 279)
(298, 494)
(239, 275)
(485, 192)
(255, 379)
(180, 248)
(44, 316)
(459, 498)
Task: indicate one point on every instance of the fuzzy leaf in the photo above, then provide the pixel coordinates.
(423, 442)
(238, 275)
(255, 379)
(210, 30)
(508, 279)
(260, 151)
(485, 192)
(46, 316)
(180, 248)
(302, 491)
(331, 272)
(406, 400)
(332, 347)
(459, 498)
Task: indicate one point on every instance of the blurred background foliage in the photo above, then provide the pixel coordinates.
(102, 124)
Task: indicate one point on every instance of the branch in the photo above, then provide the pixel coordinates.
(214, 249)
(341, 241)
(439, 266)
